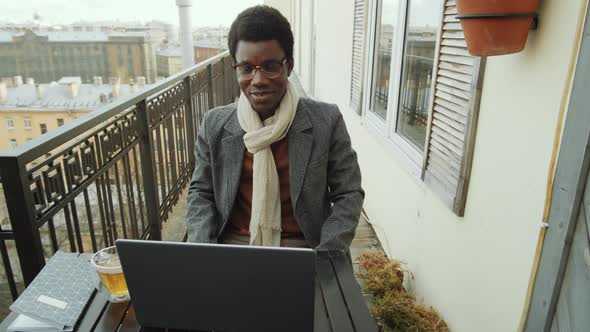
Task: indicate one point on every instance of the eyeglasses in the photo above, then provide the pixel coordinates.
(270, 69)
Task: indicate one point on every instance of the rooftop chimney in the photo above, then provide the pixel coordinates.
(97, 80)
(40, 89)
(141, 81)
(18, 80)
(30, 80)
(133, 85)
(103, 98)
(3, 92)
(73, 90)
(116, 85)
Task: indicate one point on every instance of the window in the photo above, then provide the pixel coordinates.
(60, 122)
(10, 123)
(423, 92)
(418, 62)
(388, 13)
(43, 128)
(29, 139)
(27, 122)
(120, 55)
(130, 67)
(13, 143)
(404, 42)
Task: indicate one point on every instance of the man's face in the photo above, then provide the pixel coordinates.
(264, 93)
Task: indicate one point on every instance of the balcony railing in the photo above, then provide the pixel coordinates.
(115, 173)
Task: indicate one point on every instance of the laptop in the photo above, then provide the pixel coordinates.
(205, 287)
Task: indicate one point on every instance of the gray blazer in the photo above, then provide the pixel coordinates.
(324, 175)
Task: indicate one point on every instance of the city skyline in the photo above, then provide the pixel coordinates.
(204, 13)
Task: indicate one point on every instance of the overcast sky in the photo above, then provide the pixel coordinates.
(204, 12)
(422, 13)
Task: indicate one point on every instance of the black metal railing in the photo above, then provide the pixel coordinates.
(416, 90)
(116, 173)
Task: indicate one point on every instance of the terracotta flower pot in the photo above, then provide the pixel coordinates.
(496, 27)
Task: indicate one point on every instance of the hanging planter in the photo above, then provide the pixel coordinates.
(496, 27)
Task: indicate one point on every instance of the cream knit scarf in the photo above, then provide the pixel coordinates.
(265, 221)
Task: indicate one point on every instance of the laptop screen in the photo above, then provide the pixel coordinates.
(219, 287)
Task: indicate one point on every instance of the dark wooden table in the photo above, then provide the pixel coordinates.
(340, 305)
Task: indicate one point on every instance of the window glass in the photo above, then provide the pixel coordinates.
(418, 61)
(385, 32)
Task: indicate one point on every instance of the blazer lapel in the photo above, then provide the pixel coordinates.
(233, 147)
(300, 141)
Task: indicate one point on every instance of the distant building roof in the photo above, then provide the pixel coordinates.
(6, 36)
(70, 79)
(56, 96)
(170, 51)
(207, 43)
(71, 36)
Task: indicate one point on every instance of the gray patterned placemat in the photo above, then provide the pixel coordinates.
(60, 291)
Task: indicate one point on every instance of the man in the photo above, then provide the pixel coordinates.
(272, 169)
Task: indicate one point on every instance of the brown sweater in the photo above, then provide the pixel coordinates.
(239, 220)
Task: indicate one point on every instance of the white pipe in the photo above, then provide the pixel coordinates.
(185, 33)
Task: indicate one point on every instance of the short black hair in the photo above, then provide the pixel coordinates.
(261, 23)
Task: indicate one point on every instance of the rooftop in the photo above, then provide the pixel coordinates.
(170, 51)
(70, 80)
(59, 96)
(7, 36)
(208, 43)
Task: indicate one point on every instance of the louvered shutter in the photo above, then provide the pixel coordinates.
(358, 42)
(453, 120)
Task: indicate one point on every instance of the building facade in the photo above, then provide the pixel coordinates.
(47, 56)
(169, 61)
(28, 111)
(205, 49)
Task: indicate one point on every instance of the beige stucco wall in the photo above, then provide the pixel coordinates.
(21, 134)
(475, 269)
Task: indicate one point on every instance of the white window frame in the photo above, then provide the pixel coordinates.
(27, 123)
(409, 155)
(13, 144)
(9, 123)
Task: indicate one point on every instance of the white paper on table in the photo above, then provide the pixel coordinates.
(24, 323)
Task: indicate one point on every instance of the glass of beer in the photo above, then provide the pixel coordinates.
(108, 266)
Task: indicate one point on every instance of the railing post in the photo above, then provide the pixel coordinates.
(21, 210)
(148, 172)
(210, 86)
(227, 83)
(189, 109)
(222, 78)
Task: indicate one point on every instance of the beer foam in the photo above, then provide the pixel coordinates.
(107, 269)
(107, 263)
